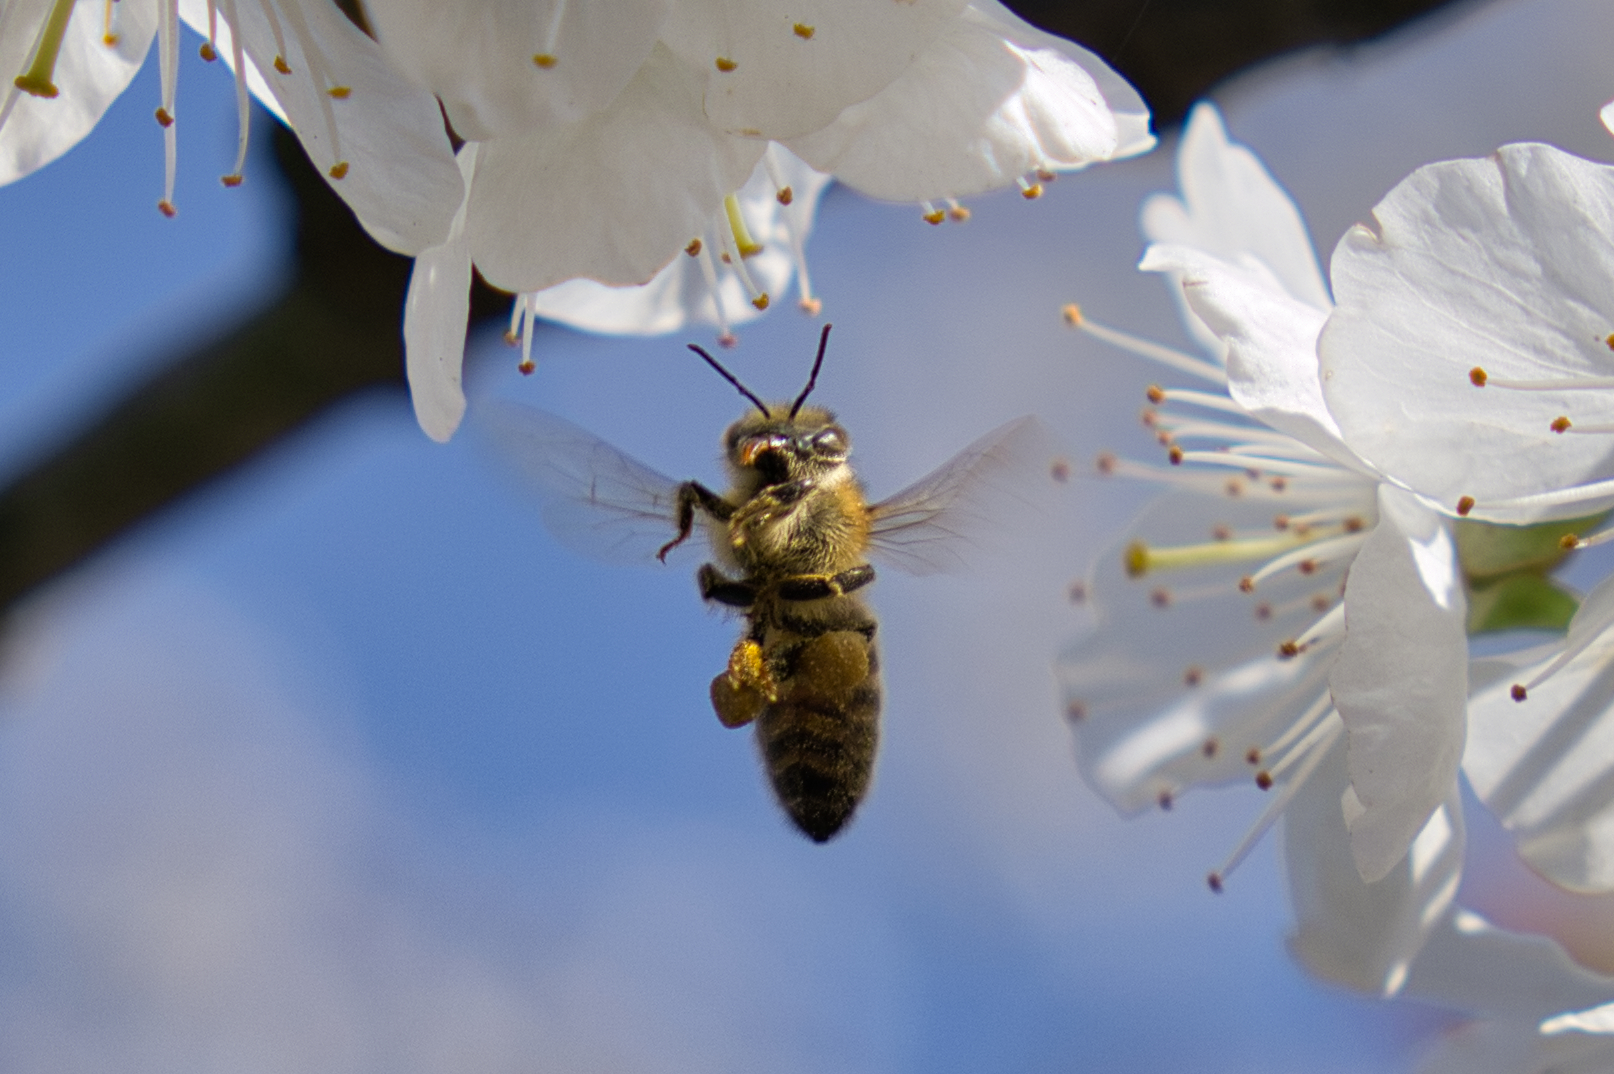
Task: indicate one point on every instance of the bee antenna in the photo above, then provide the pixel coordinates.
(812, 378)
(732, 379)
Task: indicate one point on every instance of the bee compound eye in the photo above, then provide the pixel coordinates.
(830, 442)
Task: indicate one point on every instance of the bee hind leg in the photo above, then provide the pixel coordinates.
(740, 693)
(714, 586)
(819, 586)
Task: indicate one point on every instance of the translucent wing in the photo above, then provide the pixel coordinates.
(928, 527)
(596, 500)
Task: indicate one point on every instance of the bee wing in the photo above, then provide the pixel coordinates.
(596, 500)
(929, 526)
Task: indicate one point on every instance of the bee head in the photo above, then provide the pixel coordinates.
(777, 448)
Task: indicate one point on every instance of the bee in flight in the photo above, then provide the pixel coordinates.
(791, 539)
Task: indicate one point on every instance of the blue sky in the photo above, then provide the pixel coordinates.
(345, 765)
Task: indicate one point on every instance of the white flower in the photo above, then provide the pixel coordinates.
(1253, 632)
(378, 138)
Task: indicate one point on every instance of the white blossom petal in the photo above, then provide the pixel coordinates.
(679, 294)
(988, 102)
(486, 58)
(1365, 935)
(1517, 1048)
(89, 76)
(1401, 680)
(1232, 208)
(1545, 766)
(1506, 264)
(613, 198)
(1468, 964)
(436, 314)
(400, 179)
(782, 68)
(1271, 341)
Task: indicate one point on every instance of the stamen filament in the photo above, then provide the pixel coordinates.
(1145, 348)
(1275, 807)
(1209, 400)
(709, 271)
(759, 297)
(1567, 384)
(36, 80)
(1319, 552)
(1552, 497)
(243, 96)
(748, 246)
(1319, 708)
(1141, 558)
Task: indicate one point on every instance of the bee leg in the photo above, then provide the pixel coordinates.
(693, 494)
(819, 586)
(741, 693)
(724, 590)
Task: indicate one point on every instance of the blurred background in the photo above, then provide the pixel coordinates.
(342, 764)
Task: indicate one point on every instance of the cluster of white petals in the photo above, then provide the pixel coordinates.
(377, 136)
(604, 142)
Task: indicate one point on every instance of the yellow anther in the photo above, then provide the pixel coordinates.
(338, 170)
(743, 241)
(544, 60)
(1072, 314)
(36, 81)
(1031, 191)
(935, 216)
(761, 301)
(958, 214)
(282, 66)
(340, 93)
(725, 64)
(803, 31)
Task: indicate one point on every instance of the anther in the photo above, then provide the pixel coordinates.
(1072, 314)
(761, 301)
(1105, 463)
(1193, 676)
(1046, 175)
(1175, 455)
(1075, 712)
(282, 66)
(1321, 603)
(1465, 504)
(957, 213)
(1609, 341)
(1477, 377)
(208, 52)
(1263, 611)
(725, 64)
(1155, 394)
(1307, 566)
(1247, 584)
(338, 170)
(527, 367)
(166, 207)
(1136, 559)
(1211, 748)
(544, 60)
(803, 31)
(1059, 470)
(694, 248)
(1254, 756)
(932, 215)
(1288, 650)
(728, 340)
(165, 118)
(1221, 533)
(1214, 882)
(1280, 522)
(1077, 592)
(1166, 801)
(1160, 598)
(1234, 488)
(810, 306)
(1354, 524)
(1560, 424)
(1264, 780)
(784, 195)
(1030, 191)
(340, 93)
(234, 179)
(1519, 693)
(1569, 542)
(1278, 484)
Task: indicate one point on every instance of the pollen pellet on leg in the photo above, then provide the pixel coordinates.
(736, 704)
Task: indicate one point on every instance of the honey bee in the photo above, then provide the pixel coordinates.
(791, 539)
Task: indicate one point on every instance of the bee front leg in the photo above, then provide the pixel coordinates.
(693, 494)
(714, 586)
(819, 586)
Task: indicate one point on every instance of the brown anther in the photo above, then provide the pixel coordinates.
(1303, 531)
(812, 307)
(1032, 192)
(1193, 676)
(1465, 504)
(208, 52)
(935, 217)
(282, 66)
(1354, 524)
(1059, 470)
(1560, 424)
(1155, 394)
(725, 64)
(1046, 175)
(1166, 801)
(1105, 463)
(1477, 377)
(234, 179)
(1077, 592)
(1234, 488)
(1214, 882)
(1149, 417)
(1075, 711)
(338, 170)
(1247, 584)
(165, 118)
(958, 214)
(1288, 650)
(1160, 598)
(1162, 437)
(1072, 314)
(1264, 780)
(1211, 747)
(728, 341)
(1609, 341)
(1307, 566)
(544, 60)
(1321, 603)
(1175, 455)
(1569, 542)
(1253, 475)
(527, 367)
(1280, 522)
(784, 195)
(340, 93)
(1518, 693)
(1254, 755)
(1263, 611)
(694, 248)
(1221, 533)
(803, 31)
(1279, 484)
(166, 207)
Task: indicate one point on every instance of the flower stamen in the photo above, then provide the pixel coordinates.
(1144, 348)
(37, 79)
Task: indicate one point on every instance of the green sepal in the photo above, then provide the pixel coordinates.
(1520, 601)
